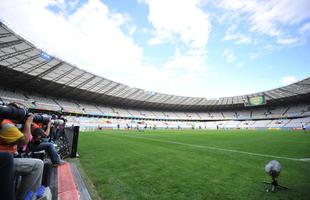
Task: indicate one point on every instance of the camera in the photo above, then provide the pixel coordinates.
(58, 122)
(14, 113)
(20, 114)
(38, 118)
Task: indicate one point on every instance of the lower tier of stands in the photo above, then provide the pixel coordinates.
(91, 123)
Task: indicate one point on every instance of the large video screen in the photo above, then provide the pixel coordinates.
(256, 101)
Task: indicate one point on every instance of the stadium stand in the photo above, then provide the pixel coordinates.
(246, 124)
(146, 113)
(38, 102)
(89, 109)
(296, 123)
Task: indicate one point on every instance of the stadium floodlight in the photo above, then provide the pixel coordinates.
(273, 168)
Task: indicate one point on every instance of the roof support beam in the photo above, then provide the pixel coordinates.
(11, 43)
(42, 74)
(112, 88)
(95, 84)
(35, 67)
(19, 75)
(104, 86)
(125, 90)
(74, 79)
(17, 53)
(92, 86)
(3, 35)
(19, 63)
(64, 74)
(129, 92)
(85, 82)
(287, 91)
(98, 95)
(131, 95)
(49, 70)
(52, 85)
(69, 91)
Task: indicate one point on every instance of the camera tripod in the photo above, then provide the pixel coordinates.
(274, 186)
(63, 145)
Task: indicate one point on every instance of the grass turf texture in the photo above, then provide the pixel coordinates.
(166, 164)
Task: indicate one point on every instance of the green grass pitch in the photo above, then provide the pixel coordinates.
(195, 164)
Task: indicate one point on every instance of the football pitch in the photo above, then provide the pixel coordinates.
(195, 164)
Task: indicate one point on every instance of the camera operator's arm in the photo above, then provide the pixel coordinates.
(27, 131)
(47, 132)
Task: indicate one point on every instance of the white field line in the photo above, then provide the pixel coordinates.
(221, 149)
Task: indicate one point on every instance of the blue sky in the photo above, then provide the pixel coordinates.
(199, 48)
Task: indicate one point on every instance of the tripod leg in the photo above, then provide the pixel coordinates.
(274, 185)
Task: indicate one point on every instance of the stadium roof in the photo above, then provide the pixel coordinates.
(25, 67)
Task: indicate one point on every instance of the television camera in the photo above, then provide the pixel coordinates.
(20, 114)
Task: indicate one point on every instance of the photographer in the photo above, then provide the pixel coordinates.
(29, 169)
(40, 142)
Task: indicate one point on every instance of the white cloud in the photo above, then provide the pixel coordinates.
(287, 41)
(243, 39)
(179, 21)
(131, 29)
(257, 14)
(63, 7)
(237, 37)
(267, 17)
(305, 29)
(229, 55)
(155, 41)
(289, 80)
(269, 47)
(240, 65)
(73, 3)
(253, 56)
(188, 63)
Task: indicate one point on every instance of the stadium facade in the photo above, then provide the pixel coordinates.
(46, 83)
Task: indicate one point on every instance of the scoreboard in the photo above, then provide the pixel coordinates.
(256, 101)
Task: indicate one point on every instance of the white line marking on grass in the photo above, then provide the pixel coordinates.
(221, 149)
